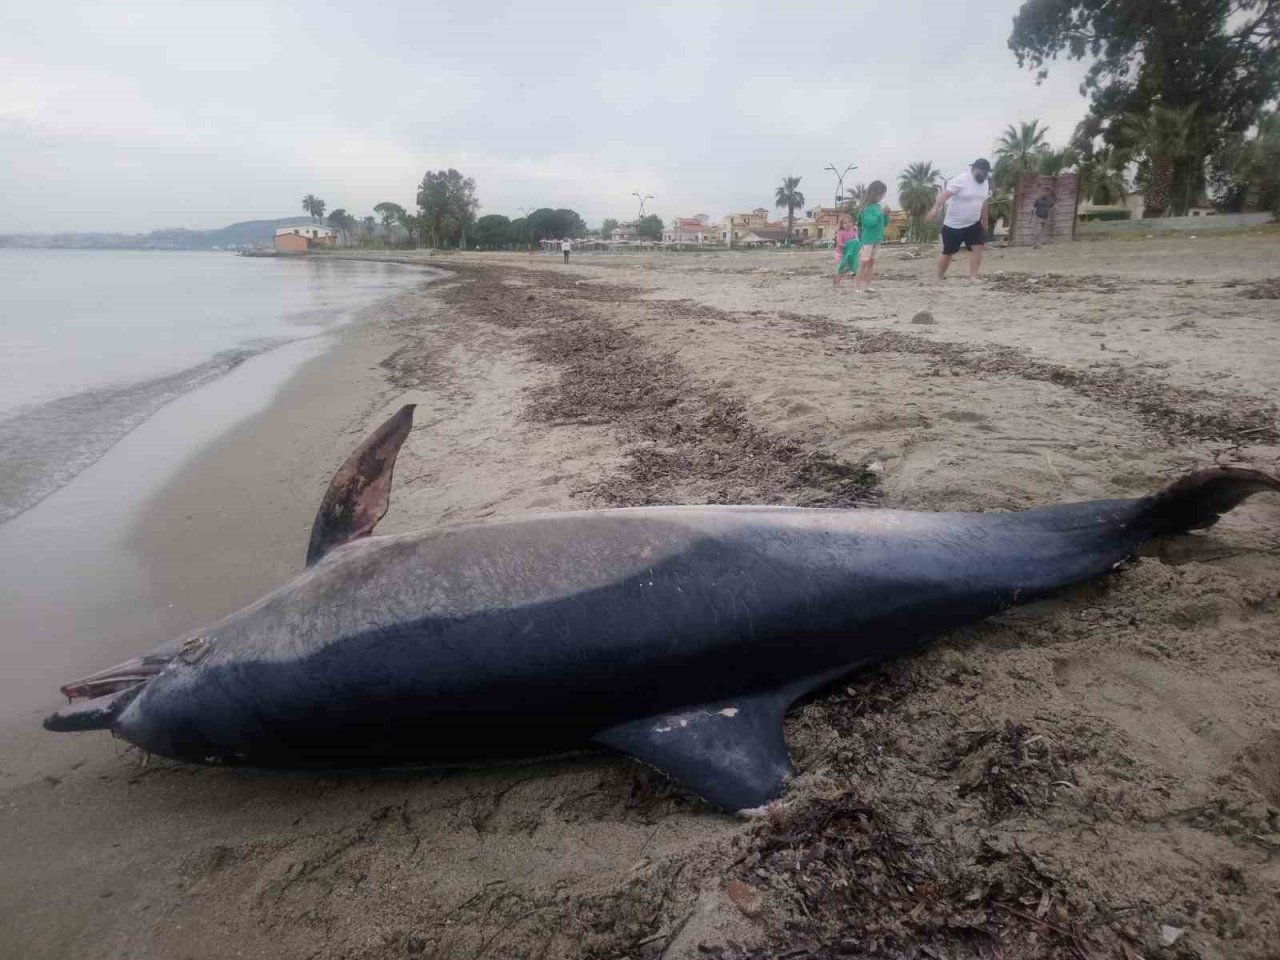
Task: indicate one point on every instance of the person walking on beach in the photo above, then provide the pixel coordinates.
(845, 232)
(871, 227)
(1041, 210)
(565, 246)
(965, 198)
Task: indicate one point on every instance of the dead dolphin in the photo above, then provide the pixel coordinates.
(678, 635)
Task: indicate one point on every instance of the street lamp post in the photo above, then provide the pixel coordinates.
(642, 199)
(840, 175)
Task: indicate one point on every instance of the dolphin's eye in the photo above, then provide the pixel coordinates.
(193, 649)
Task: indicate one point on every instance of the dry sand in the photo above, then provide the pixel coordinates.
(1084, 777)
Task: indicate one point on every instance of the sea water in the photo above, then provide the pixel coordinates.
(93, 342)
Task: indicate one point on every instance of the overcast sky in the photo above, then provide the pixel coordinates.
(131, 115)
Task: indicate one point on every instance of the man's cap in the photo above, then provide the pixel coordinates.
(982, 163)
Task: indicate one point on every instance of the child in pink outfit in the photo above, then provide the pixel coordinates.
(846, 232)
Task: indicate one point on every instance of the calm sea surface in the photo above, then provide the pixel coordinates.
(92, 342)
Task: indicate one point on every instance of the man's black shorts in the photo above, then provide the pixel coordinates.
(953, 238)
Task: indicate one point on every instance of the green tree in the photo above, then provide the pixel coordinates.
(788, 195)
(1022, 147)
(607, 228)
(1246, 169)
(413, 227)
(1102, 179)
(1000, 205)
(1220, 56)
(519, 234)
(392, 215)
(492, 232)
(855, 199)
(548, 224)
(918, 187)
(313, 205)
(1162, 135)
(367, 227)
(345, 223)
(447, 206)
(1055, 162)
(650, 228)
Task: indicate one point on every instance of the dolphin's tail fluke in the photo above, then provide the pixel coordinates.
(1199, 499)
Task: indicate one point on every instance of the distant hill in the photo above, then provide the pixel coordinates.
(248, 233)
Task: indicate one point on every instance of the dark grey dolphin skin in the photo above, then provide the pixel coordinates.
(678, 635)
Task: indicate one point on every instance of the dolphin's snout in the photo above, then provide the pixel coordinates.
(96, 714)
(96, 700)
(131, 673)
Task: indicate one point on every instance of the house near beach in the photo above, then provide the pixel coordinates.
(696, 230)
(304, 237)
(764, 237)
(736, 225)
(821, 223)
(804, 230)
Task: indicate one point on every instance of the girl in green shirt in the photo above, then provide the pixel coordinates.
(871, 226)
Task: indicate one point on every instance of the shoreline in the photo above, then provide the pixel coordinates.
(93, 578)
(78, 398)
(222, 527)
(248, 497)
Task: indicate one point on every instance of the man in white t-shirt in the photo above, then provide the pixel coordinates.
(565, 246)
(965, 224)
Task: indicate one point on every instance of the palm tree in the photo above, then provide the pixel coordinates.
(1162, 135)
(1004, 175)
(918, 187)
(1021, 147)
(788, 196)
(313, 205)
(856, 199)
(1053, 162)
(1102, 176)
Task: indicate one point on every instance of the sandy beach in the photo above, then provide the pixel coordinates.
(1097, 775)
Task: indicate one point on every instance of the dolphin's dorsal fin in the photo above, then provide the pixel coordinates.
(360, 492)
(731, 753)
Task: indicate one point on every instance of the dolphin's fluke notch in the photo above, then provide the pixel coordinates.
(360, 492)
(1199, 499)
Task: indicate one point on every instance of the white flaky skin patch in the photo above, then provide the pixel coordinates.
(676, 721)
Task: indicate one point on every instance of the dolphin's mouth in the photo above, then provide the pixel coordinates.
(96, 700)
(123, 676)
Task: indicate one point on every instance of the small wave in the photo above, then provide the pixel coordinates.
(43, 447)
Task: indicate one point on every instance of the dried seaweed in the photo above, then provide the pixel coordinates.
(686, 441)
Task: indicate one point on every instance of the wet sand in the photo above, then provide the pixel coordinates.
(1070, 777)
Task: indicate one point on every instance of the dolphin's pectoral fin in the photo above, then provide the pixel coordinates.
(731, 753)
(360, 492)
